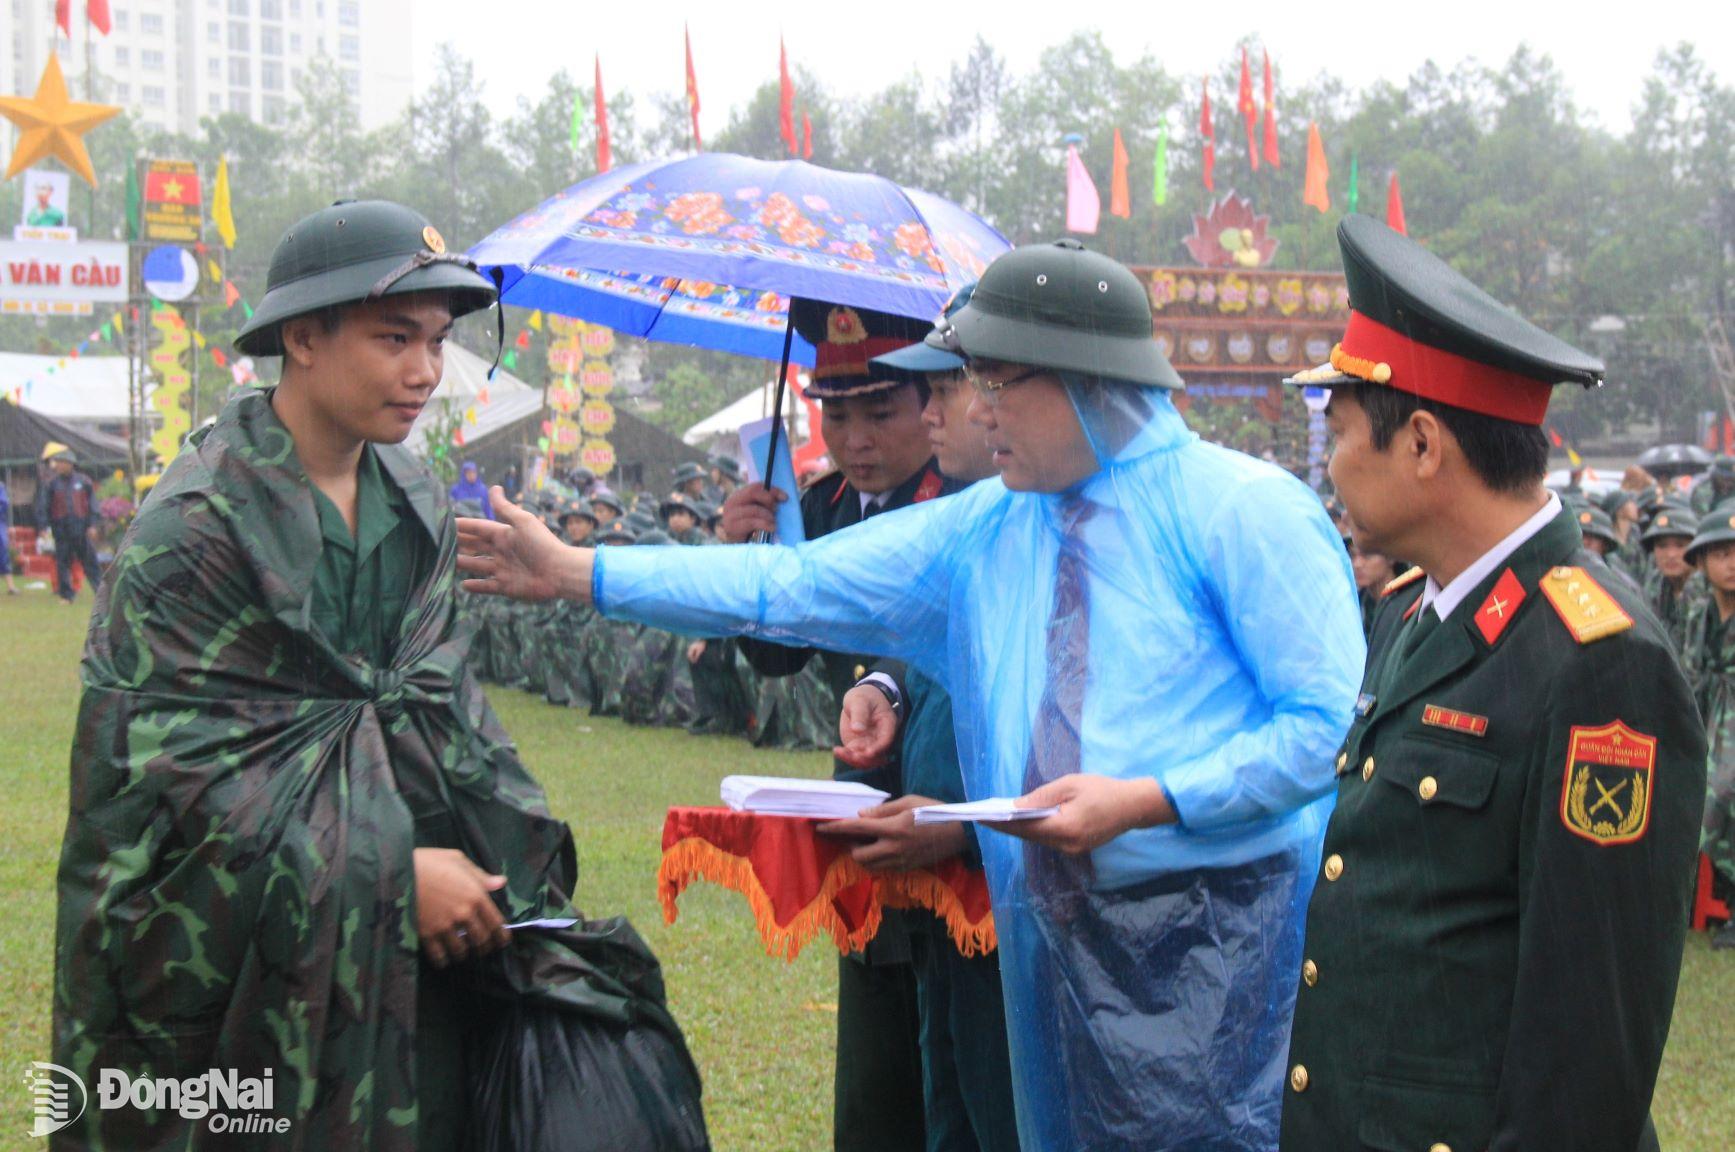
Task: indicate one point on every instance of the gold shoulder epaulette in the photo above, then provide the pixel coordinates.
(1584, 606)
(1404, 581)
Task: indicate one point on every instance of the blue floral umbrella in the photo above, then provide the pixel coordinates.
(707, 249)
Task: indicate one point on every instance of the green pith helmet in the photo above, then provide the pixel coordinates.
(689, 470)
(1718, 528)
(1063, 307)
(616, 533)
(352, 252)
(1593, 521)
(1671, 521)
(728, 466)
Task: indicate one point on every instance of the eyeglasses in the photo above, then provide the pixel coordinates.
(987, 387)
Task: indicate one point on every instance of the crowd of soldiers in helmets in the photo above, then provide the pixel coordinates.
(1674, 546)
(575, 658)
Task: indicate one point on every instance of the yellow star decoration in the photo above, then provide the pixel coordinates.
(50, 124)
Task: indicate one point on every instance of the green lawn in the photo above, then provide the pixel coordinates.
(761, 1029)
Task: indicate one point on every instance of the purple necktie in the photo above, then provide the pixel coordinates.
(1056, 878)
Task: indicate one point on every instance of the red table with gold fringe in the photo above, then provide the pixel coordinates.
(799, 884)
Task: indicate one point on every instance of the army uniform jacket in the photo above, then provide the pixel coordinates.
(830, 505)
(1495, 932)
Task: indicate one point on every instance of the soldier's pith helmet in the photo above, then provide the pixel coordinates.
(356, 251)
(1063, 307)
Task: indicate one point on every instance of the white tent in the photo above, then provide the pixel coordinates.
(88, 390)
(721, 429)
(466, 375)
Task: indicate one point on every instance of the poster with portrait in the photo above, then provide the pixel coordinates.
(47, 196)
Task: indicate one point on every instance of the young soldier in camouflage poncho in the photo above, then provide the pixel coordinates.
(297, 830)
(1709, 660)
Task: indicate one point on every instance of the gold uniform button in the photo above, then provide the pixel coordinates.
(1367, 769)
(1427, 788)
(860, 671)
(1333, 866)
(1342, 759)
(1309, 973)
(1439, 1148)
(1298, 1077)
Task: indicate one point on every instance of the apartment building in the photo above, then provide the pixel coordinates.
(172, 62)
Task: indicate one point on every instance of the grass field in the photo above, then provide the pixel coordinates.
(761, 1029)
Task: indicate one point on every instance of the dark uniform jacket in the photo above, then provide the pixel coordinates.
(830, 505)
(1496, 929)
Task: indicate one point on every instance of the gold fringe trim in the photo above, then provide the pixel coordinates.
(695, 858)
(923, 889)
(1359, 367)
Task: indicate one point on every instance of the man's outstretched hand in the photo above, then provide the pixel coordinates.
(517, 556)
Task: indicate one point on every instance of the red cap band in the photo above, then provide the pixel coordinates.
(832, 359)
(1446, 377)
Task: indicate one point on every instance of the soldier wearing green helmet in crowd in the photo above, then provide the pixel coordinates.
(1601, 539)
(691, 479)
(335, 831)
(726, 476)
(1710, 664)
(1672, 585)
(1715, 486)
(1621, 506)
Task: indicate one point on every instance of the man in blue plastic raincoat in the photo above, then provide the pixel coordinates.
(1155, 634)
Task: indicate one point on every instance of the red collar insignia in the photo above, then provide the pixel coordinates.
(1501, 606)
(930, 488)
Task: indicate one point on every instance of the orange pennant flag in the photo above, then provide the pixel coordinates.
(1315, 190)
(1395, 207)
(1120, 201)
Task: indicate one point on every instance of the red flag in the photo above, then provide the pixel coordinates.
(785, 99)
(692, 91)
(806, 137)
(1209, 166)
(603, 158)
(231, 294)
(1271, 155)
(96, 11)
(1120, 201)
(217, 355)
(524, 338)
(1249, 112)
(63, 16)
(1395, 207)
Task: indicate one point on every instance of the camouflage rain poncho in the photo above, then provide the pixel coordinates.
(236, 888)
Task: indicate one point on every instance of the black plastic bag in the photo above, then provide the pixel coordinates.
(547, 1080)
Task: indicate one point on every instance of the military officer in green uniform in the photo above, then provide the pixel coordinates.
(1671, 585)
(872, 423)
(1495, 933)
(966, 1063)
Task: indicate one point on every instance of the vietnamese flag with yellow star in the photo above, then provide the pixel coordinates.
(172, 186)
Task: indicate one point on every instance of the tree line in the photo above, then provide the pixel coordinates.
(1503, 174)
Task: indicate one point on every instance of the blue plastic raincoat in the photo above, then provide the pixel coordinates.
(1225, 653)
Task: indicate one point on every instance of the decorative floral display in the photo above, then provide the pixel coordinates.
(1232, 294)
(1230, 235)
(698, 213)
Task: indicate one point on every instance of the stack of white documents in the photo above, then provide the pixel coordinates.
(794, 796)
(997, 809)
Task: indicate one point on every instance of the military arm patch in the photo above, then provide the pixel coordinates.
(1610, 779)
(1584, 606)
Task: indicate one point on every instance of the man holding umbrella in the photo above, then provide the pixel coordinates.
(1155, 635)
(872, 422)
